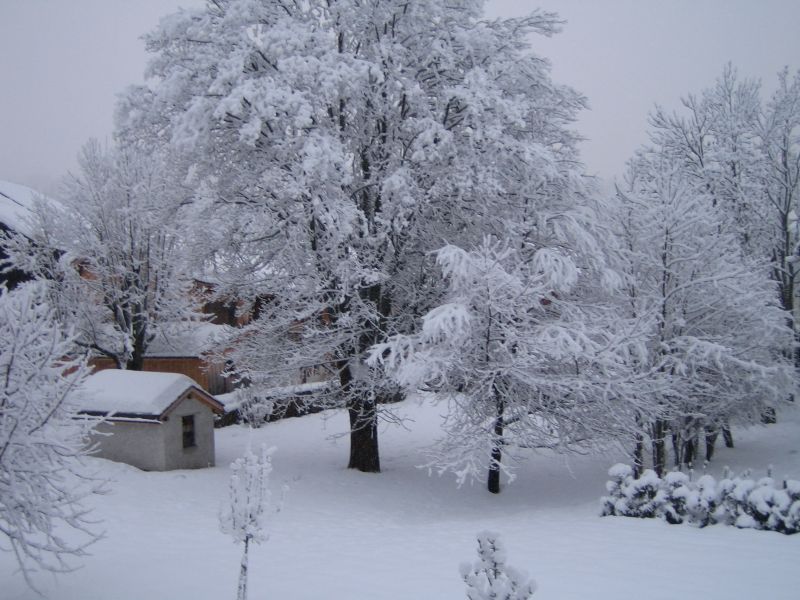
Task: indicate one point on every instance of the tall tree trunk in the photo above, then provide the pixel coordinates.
(727, 436)
(711, 442)
(638, 448)
(136, 363)
(364, 454)
(690, 449)
(638, 456)
(659, 447)
(363, 410)
(493, 480)
(677, 448)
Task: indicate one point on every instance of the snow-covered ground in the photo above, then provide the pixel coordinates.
(402, 534)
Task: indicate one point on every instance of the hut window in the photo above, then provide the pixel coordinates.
(188, 431)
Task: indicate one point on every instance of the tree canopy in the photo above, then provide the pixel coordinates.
(341, 142)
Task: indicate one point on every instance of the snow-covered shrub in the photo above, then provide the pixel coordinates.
(737, 501)
(253, 410)
(701, 501)
(677, 491)
(621, 475)
(771, 507)
(490, 578)
(791, 521)
(732, 493)
(642, 497)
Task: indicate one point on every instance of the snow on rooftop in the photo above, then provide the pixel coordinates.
(235, 399)
(131, 392)
(16, 203)
(188, 339)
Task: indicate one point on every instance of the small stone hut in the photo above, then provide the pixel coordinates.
(153, 421)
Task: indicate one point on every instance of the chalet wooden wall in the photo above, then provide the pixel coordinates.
(207, 375)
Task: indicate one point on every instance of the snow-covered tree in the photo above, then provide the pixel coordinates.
(244, 518)
(779, 178)
(42, 479)
(113, 252)
(522, 356)
(714, 141)
(342, 141)
(490, 578)
(714, 349)
(743, 156)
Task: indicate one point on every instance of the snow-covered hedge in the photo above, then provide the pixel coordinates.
(738, 501)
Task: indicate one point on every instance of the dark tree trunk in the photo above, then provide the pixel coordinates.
(711, 442)
(689, 450)
(363, 409)
(638, 456)
(727, 436)
(362, 406)
(493, 480)
(677, 449)
(659, 447)
(136, 363)
(364, 454)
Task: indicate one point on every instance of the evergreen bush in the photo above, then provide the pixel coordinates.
(738, 501)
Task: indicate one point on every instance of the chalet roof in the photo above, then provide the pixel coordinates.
(137, 394)
(16, 203)
(189, 339)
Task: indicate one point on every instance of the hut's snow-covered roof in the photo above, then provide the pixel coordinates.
(135, 393)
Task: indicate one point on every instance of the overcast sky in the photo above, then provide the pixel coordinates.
(64, 61)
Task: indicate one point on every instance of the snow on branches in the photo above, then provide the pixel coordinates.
(244, 518)
(523, 362)
(743, 155)
(113, 252)
(717, 334)
(42, 479)
(342, 142)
